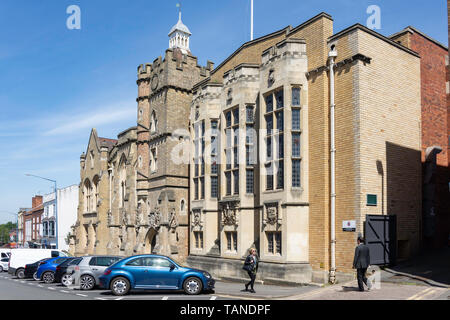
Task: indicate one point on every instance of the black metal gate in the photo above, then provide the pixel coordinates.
(380, 233)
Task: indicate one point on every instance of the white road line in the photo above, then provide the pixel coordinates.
(100, 299)
(82, 295)
(213, 298)
(40, 286)
(120, 298)
(50, 288)
(427, 294)
(165, 298)
(30, 284)
(419, 294)
(63, 291)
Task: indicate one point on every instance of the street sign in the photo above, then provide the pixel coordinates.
(349, 225)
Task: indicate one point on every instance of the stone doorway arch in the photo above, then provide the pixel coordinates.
(151, 242)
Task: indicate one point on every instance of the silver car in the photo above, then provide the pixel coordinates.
(86, 273)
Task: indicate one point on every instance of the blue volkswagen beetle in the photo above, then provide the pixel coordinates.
(154, 272)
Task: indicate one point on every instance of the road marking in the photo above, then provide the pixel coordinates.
(414, 297)
(238, 297)
(50, 288)
(165, 298)
(427, 294)
(120, 298)
(40, 286)
(63, 291)
(100, 299)
(82, 295)
(30, 284)
(213, 298)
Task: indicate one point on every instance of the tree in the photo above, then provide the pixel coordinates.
(5, 229)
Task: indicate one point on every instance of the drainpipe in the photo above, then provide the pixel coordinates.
(331, 56)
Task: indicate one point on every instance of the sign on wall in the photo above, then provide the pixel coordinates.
(349, 225)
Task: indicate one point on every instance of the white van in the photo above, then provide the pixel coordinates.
(21, 257)
(5, 253)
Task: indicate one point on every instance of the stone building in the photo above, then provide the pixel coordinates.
(260, 135)
(224, 159)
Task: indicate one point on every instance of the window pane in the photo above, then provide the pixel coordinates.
(280, 99)
(270, 242)
(202, 184)
(249, 114)
(196, 189)
(295, 96)
(236, 181)
(280, 120)
(214, 185)
(296, 144)
(269, 103)
(269, 178)
(296, 173)
(280, 146)
(236, 157)
(269, 124)
(236, 115)
(228, 181)
(269, 148)
(249, 182)
(280, 175)
(161, 263)
(295, 119)
(278, 242)
(228, 118)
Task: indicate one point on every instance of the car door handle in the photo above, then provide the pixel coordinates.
(95, 269)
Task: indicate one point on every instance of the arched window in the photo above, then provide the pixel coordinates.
(87, 191)
(122, 182)
(153, 123)
(96, 180)
(153, 160)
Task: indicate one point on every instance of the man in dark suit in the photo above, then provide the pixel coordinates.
(361, 262)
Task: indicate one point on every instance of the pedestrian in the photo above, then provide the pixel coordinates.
(251, 266)
(361, 262)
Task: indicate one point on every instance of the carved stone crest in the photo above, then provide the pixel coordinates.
(271, 78)
(271, 217)
(197, 219)
(154, 219)
(229, 215)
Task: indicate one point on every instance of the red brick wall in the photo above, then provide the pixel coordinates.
(435, 124)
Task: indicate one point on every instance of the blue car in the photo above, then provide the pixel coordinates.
(154, 272)
(46, 270)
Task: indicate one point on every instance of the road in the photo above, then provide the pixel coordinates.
(12, 288)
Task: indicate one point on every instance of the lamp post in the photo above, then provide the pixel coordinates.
(56, 203)
(17, 224)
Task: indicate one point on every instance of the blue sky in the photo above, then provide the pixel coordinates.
(56, 84)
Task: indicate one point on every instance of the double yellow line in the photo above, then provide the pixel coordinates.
(422, 294)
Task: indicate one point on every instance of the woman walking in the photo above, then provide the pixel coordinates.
(251, 266)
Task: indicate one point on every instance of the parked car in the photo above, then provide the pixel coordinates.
(46, 270)
(61, 274)
(4, 264)
(153, 272)
(86, 273)
(21, 257)
(30, 269)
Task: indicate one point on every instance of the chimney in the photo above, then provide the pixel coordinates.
(36, 201)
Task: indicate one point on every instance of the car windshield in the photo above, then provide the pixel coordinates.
(177, 263)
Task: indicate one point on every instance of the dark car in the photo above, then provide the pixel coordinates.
(30, 269)
(61, 275)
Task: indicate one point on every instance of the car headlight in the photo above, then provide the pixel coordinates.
(207, 275)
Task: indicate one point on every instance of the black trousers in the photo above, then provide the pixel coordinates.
(252, 276)
(361, 274)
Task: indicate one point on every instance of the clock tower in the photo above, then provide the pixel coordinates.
(164, 102)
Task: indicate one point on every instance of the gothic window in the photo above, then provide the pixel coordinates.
(296, 96)
(275, 140)
(296, 142)
(199, 159)
(273, 242)
(182, 206)
(198, 236)
(232, 151)
(153, 123)
(153, 160)
(96, 181)
(231, 240)
(249, 181)
(87, 190)
(91, 159)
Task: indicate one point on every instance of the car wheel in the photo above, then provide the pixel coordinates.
(120, 286)
(67, 280)
(87, 282)
(193, 286)
(48, 277)
(20, 273)
(1, 269)
(35, 277)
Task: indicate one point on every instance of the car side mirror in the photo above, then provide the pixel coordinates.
(172, 267)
